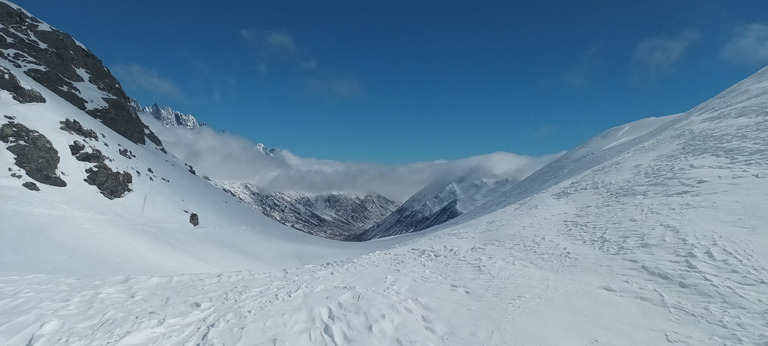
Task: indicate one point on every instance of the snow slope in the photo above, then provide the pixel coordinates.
(654, 239)
(76, 230)
(660, 243)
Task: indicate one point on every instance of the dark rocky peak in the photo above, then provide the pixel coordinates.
(68, 69)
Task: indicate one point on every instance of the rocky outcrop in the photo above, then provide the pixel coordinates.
(11, 84)
(74, 127)
(34, 153)
(31, 186)
(194, 219)
(65, 67)
(111, 184)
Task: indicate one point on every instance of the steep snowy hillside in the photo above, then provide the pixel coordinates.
(330, 215)
(167, 115)
(81, 193)
(64, 66)
(660, 242)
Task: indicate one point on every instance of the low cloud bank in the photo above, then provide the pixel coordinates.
(227, 157)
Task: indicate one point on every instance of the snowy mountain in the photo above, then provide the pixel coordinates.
(69, 70)
(338, 216)
(650, 233)
(649, 239)
(445, 198)
(84, 192)
(167, 115)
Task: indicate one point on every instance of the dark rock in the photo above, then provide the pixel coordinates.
(111, 184)
(9, 117)
(76, 147)
(74, 126)
(10, 169)
(34, 153)
(16, 175)
(190, 169)
(11, 84)
(93, 157)
(194, 219)
(31, 186)
(124, 153)
(150, 170)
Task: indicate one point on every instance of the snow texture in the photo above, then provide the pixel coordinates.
(651, 233)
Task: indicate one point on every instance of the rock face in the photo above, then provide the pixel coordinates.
(10, 83)
(331, 215)
(34, 153)
(68, 69)
(194, 219)
(111, 184)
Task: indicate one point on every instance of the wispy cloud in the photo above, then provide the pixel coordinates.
(658, 55)
(334, 86)
(140, 77)
(749, 45)
(270, 42)
(544, 132)
(578, 74)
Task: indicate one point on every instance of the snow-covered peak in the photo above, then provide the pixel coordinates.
(260, 147)
(168, 116)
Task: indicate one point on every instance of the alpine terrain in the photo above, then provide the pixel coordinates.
(650, 233)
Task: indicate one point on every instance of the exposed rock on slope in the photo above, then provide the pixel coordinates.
(65, 67)
(34, 153)
(111, 184)
(10, 83)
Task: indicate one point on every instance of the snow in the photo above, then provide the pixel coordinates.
(89, 92)
(74, 230)
(651, 233)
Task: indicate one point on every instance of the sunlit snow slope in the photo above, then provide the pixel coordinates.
(658, 243)
(76, 230)
(651, 233)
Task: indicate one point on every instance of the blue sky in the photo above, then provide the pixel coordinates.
(404, 81)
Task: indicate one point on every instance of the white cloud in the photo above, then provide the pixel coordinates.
(749, 45)
(147, 79)
(227, 157)
(656, 55)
